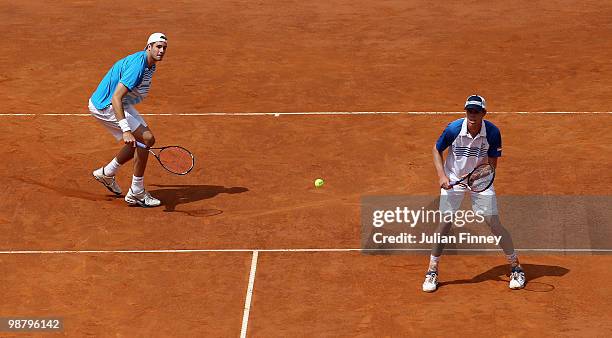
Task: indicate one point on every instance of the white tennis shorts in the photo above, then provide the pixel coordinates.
(485, 202)
(108, 119)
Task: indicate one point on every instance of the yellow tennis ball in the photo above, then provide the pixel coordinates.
(319, 182)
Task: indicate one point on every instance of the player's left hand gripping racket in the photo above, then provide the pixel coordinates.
(175, 159)
(480, 179)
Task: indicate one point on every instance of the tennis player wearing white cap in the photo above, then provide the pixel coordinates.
(472, 141)
(112, 104)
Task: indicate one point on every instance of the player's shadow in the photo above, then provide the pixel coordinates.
(173, 195)
(532, 272)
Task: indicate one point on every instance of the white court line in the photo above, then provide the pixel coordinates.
(316, 113)
(249, 295)
(42, 252)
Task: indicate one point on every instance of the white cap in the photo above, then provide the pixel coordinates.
(155, 37)
(475, 102)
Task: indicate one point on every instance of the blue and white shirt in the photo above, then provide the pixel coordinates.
(467, 152)
(133, 72)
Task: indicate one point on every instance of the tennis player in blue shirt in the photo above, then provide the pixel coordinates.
(126, 84)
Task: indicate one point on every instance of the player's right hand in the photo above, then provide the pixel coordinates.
(129, 138)
(445, 183)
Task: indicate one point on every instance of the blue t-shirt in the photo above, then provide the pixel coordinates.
(130, 71)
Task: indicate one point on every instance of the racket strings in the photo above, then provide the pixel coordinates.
(176, 160)
(481, 178)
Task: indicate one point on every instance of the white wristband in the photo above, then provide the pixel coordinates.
(123, 124)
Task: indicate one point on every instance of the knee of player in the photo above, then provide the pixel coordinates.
(148, 139)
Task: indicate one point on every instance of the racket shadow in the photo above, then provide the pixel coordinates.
(177, 194)
(532, 272)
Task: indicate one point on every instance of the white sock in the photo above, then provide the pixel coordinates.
(137, 184)
(512, 259)
(433, 263)
(111, 168)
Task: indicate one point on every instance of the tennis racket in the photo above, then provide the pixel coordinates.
(480, 179)
(175, 159)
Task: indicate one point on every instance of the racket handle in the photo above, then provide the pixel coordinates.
(453, 183)
(141, 145)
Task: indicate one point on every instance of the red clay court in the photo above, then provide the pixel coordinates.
(245, 245)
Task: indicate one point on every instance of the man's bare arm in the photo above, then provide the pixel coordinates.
(118, 95)
(439, 164)
(117, 103)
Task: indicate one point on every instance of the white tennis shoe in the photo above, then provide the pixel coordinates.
(431, 281)
(143, 199)
(108, 181)
(517, 278)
